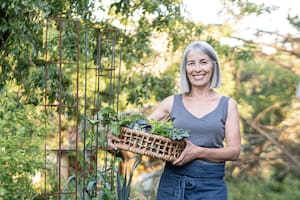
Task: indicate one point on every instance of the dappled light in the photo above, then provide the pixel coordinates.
(64, 63)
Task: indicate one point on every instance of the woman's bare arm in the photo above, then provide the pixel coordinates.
(162, 112)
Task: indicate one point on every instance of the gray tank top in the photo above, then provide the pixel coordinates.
(207, 131)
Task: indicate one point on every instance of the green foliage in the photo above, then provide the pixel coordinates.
(294, 21)
(254, 189)
(112, 183)
(107, 115)
(124, 183)
(21, 135)
(127, 119)
(242, 8)
(258, 85)
(107, 191)
(142, 87)
(109, 118)
(21, 29)
(69, 184)
(91, 192)
(166, 129)
(21, 43)
(263, 85)
(26, 66)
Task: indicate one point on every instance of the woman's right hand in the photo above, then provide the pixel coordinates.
(110, 139)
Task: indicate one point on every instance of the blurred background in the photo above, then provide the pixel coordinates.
(62, 62)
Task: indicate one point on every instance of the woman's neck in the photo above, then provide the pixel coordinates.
(201, 93)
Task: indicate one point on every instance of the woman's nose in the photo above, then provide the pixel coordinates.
(198, 67)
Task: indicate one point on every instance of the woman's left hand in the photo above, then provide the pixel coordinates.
(190, 153)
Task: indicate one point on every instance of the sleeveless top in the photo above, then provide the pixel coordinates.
(207, 131)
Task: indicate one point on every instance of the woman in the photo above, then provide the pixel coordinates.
(199, 171)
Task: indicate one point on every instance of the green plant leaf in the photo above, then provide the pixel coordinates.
(93, 122)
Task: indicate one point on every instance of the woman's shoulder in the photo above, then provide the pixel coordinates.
(232, 104)
(229, 99)
(163, 110)
(172, 96)
(169, 99)
(168, 102)
(220, 96)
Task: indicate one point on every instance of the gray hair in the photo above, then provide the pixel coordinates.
(208, 50)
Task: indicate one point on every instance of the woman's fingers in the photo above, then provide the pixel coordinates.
(185, 154)
(110, 141)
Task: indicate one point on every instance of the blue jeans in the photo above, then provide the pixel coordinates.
(197, 180)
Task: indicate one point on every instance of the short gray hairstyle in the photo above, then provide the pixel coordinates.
(208, 50)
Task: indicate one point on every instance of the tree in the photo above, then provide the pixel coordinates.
(22, 132)
(253, 77)
(265, 89)
(22, 27)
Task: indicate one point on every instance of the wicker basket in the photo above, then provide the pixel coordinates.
(150, 145)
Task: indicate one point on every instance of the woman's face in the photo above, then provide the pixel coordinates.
(199, 68)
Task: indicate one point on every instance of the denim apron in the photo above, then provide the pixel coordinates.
(199, 180)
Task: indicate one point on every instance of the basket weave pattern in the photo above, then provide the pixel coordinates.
(149, 144)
